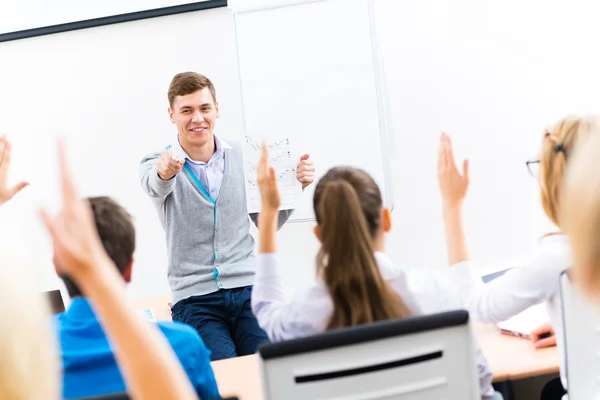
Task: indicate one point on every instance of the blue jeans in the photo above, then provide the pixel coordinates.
(224, 320)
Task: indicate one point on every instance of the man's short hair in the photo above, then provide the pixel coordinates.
(186, 83)
(117, 233)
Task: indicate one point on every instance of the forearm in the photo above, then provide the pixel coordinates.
(151, 182)
(267, 223)
(148, 364)
(456, 242)
(273, 313)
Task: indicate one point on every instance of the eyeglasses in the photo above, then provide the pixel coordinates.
(533, 167)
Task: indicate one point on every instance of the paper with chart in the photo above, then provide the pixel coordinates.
(281, 157)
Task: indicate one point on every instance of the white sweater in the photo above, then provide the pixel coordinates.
(533, 280)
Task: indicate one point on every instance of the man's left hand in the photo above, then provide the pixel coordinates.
(305, 171)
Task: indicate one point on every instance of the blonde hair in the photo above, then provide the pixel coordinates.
(30, 368)
(582, 214)
(558, 144)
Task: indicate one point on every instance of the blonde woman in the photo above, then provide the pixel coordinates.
(581, 210)
(29, 368)
(536, 279)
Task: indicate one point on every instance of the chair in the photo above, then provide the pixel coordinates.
(417, 358)
(581, 327)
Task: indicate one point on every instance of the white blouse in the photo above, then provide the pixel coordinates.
(308, 312)
(533, 280)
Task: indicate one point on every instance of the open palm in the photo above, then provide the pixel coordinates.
(7, 193)
(453, 184)
(76, 241)
(267, 182)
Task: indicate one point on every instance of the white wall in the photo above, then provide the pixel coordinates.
(491, 74)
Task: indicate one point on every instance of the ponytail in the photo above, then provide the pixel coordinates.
(347, 261)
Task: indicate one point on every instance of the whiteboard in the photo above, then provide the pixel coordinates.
(319, 86)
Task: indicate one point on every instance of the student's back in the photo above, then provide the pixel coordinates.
(89, 364)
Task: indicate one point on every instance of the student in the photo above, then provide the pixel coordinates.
(536, 279)
(581, 209)
(89, 365)
(197, 187)
(357, 283)
(28, 369)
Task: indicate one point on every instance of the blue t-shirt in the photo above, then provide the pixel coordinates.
(89, 366)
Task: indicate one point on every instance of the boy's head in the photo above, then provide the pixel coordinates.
(117, 233)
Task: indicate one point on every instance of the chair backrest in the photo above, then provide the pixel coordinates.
(417, 358)
(581, 327)
(57, 305)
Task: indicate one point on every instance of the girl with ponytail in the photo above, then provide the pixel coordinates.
(536, 278)
(356, 283)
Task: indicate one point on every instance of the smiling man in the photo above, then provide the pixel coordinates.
(197, 187)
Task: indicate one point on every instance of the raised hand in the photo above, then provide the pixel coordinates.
(453, 184)
(169, 164)
(155, 374)
(77, 245)
(267, 182)
(7, 193)
(305, 171)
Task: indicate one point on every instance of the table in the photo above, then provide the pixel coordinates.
(158, 305)
(510, 358)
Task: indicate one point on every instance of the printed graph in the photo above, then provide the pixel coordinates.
(281, 158)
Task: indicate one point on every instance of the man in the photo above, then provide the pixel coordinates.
(89, 366)
(197, 186)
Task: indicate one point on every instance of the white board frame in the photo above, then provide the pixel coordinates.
(111, 19)
(383, 105)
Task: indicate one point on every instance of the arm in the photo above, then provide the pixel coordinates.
(453, 187)
(277, 317)
(527, 283)
(456, 242)
(7, 193)
(157, 174)
(155, 374)
(305, 174)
